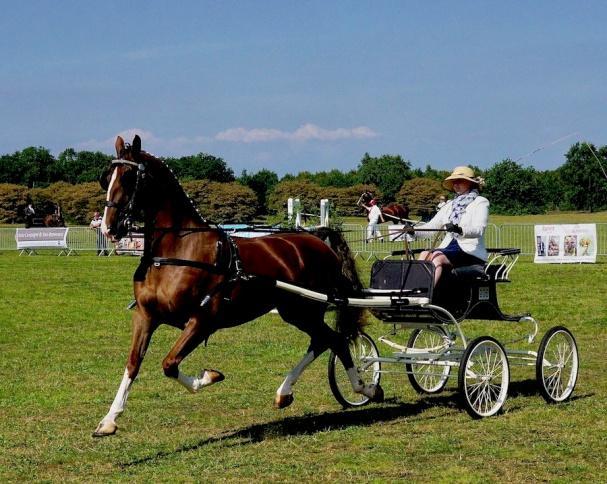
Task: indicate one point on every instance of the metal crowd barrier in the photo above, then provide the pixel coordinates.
(79, 239)
(496, 236)
(82, 239)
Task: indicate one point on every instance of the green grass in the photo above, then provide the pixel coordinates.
(64, 337)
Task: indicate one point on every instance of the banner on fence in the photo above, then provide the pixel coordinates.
(565, 243)
(42, 238)
(131, 245)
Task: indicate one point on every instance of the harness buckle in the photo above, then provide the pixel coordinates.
(156, 264)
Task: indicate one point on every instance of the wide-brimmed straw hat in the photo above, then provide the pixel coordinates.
(461, 173)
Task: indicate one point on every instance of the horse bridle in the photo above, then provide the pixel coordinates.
(127, 220)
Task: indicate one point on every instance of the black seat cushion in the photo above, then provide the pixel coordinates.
(470, 273)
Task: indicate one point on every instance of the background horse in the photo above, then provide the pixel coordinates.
(196, 278)
(51, 217)
(393, 212)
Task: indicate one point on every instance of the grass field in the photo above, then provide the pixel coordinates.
(64, 336)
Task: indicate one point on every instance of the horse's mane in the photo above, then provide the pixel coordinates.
(169, 177)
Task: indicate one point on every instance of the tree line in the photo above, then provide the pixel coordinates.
(34, 174)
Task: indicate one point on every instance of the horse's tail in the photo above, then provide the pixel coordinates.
(349, 319)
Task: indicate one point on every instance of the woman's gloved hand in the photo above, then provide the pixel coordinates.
(453, 228)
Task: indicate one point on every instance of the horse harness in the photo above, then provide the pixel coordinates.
(232, 267)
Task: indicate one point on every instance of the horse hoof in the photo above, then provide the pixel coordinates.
(104, 429)
(283, 401)
(212, 376)
(378, 397)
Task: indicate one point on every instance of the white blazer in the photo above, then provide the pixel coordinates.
(473, 223)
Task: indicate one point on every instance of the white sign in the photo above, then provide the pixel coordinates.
(42, 237)
(131, 245)
(565, 243)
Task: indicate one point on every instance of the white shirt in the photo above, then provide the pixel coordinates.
(473, 224)
(374, 214)
(96, 223)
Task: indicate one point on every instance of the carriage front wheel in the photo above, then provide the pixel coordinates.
(484, 375)
(428, 378)
(557, 364)
(365, 357)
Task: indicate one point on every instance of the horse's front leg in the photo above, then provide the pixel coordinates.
(193, 334)
(142, 333)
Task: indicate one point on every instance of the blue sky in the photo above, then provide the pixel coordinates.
(307, 85)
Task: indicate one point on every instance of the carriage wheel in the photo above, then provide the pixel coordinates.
(557, 364)
(427, 378)
(484, 376)
(362, 348)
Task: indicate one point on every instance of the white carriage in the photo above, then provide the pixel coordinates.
(401, 294)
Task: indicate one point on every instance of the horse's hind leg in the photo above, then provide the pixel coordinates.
(322, 337)
(142, 333)
(193, 334)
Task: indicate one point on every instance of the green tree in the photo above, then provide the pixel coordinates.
(514, 190)
(261, 183)
(584, 184)
(421, 195)
(201, 167)
(387, 172)
(73, 166)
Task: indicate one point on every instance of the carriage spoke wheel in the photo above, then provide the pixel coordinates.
(362, 349)
(484, 376)
(428, 378)
(557, 364)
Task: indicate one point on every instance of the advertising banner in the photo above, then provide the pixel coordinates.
(131, 245)
(565, 243)
(42, 238)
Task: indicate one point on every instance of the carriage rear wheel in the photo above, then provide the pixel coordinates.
(484, 375)
(426, 378)
(364, 355)
(557, 364)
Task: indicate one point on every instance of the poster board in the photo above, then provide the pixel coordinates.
(41, 238)
(131, 245)
(566, 243)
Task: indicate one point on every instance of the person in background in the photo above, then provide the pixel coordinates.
(464, 219)
(29, 215)
(374, 215)
(96, 225)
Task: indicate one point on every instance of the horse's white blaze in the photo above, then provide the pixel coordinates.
(104, 227)
(287, 386)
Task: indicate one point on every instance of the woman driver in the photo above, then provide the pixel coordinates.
(465, 219)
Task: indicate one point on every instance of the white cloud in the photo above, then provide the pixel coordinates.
(150, 142)
(305, 132)
(179, 145)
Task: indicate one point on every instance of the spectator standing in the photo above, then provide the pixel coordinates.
(96, 226)
(375, 215)
(29, 215)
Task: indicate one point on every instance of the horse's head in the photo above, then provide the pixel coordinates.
(122, 180)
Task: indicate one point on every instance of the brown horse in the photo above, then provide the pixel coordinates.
(195, 277)
(393, 212)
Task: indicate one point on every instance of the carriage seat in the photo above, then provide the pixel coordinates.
(470, 273)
